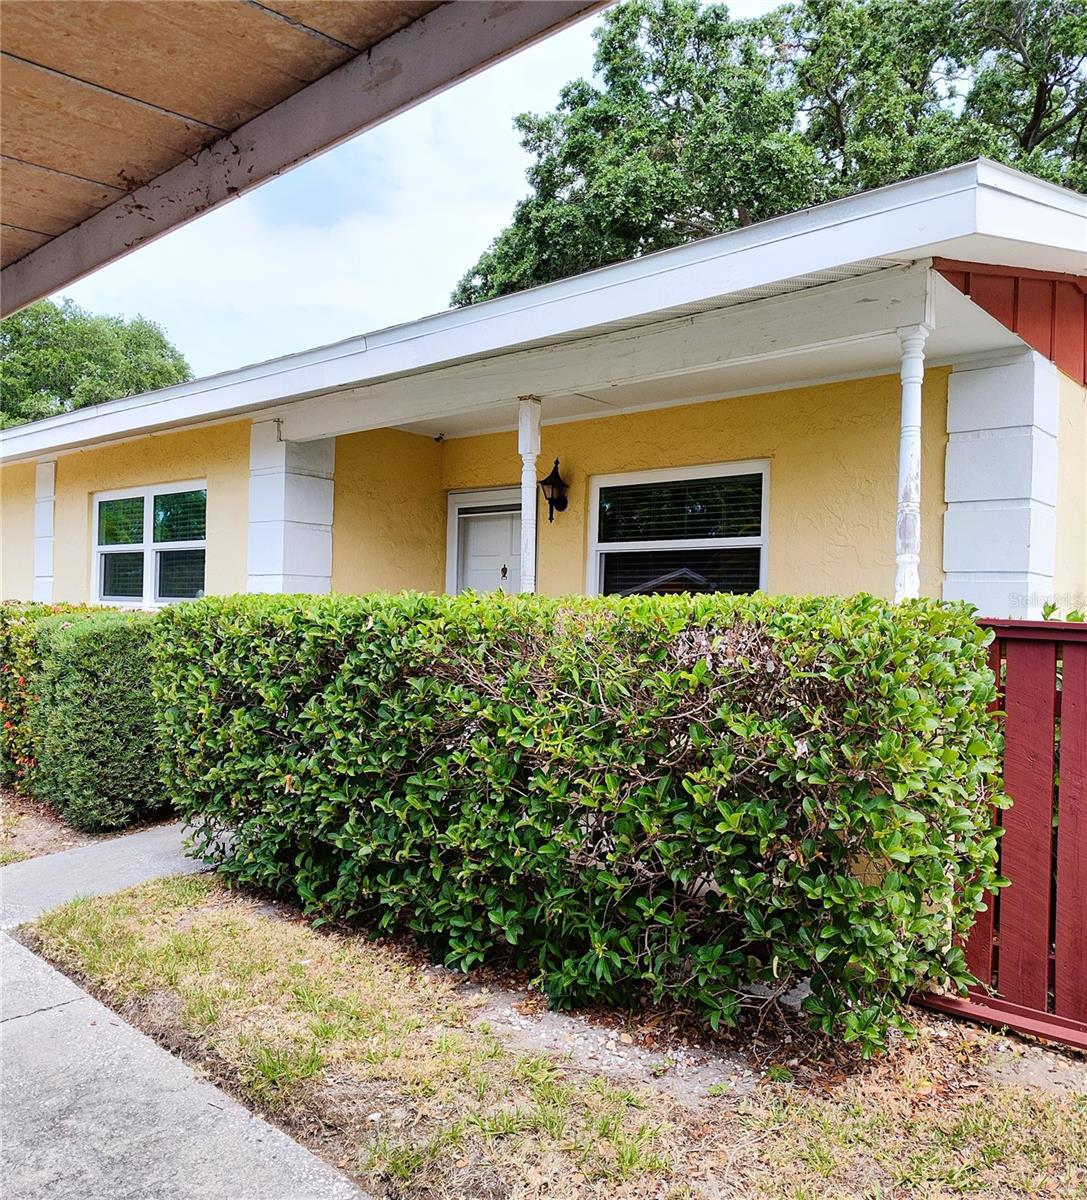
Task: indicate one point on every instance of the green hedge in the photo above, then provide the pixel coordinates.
(79, 727)
(633, 797)
(19, 662)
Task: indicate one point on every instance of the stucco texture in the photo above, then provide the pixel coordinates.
(17, 531)
(1070, 576)
(218, 454)
(388, 515)
(833, 452)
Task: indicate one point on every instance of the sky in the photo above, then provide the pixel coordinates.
(375, 232)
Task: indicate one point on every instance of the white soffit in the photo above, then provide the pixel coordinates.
(966, 212)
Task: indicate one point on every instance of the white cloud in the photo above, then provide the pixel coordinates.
(375, 232)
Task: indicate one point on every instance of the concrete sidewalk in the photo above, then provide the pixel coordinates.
(29, 888)
(91, 1109)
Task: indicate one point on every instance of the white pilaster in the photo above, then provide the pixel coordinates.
(528, 446)
(1000, 485)
(45, 480)
(908, 514)
(290, 512)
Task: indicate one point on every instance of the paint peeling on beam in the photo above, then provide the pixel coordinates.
(437, 50)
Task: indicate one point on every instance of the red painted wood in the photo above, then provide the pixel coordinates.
(1069, 316)
(994, 1011)
(979, 945)
(1070, 968)
(1035, 324)
(1026, 848)
(1030, 702)
(1048, 310)
(1037, 631)
(944, 265)
(995, 294)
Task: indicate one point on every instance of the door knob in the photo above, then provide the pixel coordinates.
(505, 571)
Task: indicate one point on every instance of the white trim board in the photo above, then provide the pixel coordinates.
(974, 211)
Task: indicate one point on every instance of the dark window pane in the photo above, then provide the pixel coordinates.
(181, 574)
(729, 506)
(122, 576)
(180, 516)
(645, 572)
(120, 522)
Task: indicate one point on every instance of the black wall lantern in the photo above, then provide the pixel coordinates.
(554, 492)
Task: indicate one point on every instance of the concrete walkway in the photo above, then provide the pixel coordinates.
(91, 1109)
(29, 888)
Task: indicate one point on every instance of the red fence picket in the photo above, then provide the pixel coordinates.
(1029, 949)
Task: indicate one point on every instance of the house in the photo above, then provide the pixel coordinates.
(884, 393)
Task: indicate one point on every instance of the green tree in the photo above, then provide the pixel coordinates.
(56, 358)
(697, 123)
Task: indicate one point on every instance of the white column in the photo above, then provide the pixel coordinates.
(290, 512)
(1000, 484)
(908, 515)
(528, 446)
(45, 479)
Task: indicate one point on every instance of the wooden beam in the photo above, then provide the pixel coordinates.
(446, 45)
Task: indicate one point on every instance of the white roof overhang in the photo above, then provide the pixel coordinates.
(737, 296)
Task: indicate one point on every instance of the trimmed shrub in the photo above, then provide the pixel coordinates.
(642, 797)
(19, 662)
(92, 720)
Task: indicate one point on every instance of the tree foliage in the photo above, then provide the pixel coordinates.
(697, 123)
(56, 358)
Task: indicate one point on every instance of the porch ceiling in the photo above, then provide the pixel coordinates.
(125, 118)
(961, 330)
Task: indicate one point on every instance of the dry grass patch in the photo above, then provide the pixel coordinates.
(381, 1065)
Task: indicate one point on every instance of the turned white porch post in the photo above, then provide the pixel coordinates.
(528, 446)
(908, 516)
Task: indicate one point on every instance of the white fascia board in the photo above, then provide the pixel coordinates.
(919, 217)
(421, 60)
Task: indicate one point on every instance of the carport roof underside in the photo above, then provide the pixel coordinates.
(126, 118)
(810, 296)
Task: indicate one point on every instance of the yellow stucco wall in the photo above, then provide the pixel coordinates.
(833, 452)
(388, 514)
(833, 464)
(216, 453)
(1070, 579)
(17, 531)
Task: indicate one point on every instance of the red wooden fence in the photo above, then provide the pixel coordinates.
(1029, 949)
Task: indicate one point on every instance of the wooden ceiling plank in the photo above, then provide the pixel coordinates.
(362, 23)
(236, 61)
(302, 27)
(14, 243)
(451, 43)
(8, 161)
(48, 201)
(123, 96)
(58, 123)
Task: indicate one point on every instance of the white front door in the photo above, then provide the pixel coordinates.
(489, 550)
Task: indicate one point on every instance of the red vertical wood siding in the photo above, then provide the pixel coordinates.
(1029, 950)
(1070, 938)
(1026, 850)
(1048, 311)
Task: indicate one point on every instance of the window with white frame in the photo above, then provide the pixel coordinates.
(150, 544)
(687, 529)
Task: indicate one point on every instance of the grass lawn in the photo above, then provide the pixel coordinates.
(384, 1067)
